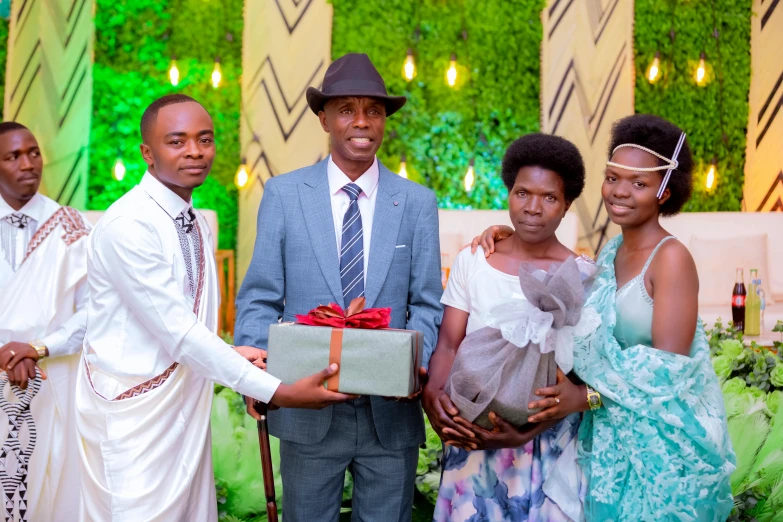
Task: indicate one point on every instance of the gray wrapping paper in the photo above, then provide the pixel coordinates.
(497, 368)
(374, 362)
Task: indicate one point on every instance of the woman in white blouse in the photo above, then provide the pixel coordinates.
(501, 474)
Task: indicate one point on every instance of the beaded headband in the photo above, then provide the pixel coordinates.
(671, 164)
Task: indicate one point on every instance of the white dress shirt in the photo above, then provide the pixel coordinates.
(69, 337)
(140, 312)
(366, 201)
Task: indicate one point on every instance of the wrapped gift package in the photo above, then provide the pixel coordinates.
(373, 361)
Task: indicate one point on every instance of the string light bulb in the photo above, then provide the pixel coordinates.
(173, 72)
(712, 174)
(470, 177)
(242, 177)
(451, 72)
(409, 66)
(701, 72)
(654, 71)
(119, 169)
(403, 172)
(217, 74)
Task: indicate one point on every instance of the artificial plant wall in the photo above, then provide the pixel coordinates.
(134, 45)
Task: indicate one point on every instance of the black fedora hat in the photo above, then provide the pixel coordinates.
(353, 75)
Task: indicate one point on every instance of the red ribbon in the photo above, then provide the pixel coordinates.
(355, 317)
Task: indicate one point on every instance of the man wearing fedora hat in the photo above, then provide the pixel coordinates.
(344, 228)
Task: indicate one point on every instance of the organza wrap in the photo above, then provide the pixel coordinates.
(498, 367)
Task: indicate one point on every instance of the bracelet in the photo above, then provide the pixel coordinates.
(593, 398)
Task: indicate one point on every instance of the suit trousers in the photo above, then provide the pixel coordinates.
(313, 474)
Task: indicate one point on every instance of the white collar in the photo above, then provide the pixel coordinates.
(163, 196)
(34, 208)
(368, 181)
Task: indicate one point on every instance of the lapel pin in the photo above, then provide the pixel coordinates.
(396, 203)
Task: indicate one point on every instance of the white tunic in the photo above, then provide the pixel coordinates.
(144, 393)
(45, 293)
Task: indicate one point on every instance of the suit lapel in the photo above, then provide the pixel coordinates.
(317, 208)
(389, 208)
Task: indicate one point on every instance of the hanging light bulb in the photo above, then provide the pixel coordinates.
(701, 72)
(403, 172)
(654, 71)
(242, 177)
(119, 169)
(451, 72)
(173, 72)
(470, 177)
(712, 173)
(409, 66)
(217, 74)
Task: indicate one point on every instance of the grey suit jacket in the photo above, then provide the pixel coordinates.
(295, 268)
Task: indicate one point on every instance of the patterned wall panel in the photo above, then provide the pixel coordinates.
(286, 48)
(764, 153)
(587, 81)
(49, 88)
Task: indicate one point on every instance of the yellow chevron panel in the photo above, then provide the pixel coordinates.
(587, 79)
(286, 49)
(49, 88)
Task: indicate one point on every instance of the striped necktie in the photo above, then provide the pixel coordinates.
(352, 248)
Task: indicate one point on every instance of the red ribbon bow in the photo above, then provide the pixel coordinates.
(355, 317)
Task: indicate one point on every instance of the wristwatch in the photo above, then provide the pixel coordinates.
(593, 398)
(40, 349)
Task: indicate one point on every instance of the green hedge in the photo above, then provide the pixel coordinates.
(134, 41)
(677, 97)
(438, 129)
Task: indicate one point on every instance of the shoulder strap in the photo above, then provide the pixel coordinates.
(655, 251)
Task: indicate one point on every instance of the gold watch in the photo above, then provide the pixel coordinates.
(593, 398)
(40, 348)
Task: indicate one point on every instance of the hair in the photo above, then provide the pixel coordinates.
(548, 152)
(151, 112)
(8, 126)
(662, 136)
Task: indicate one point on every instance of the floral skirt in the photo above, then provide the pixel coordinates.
(539, 482)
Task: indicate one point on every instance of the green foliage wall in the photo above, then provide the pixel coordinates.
(439, 128)
(696, 109)
(134, 42)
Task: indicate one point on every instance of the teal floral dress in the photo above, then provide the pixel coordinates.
(659, 449)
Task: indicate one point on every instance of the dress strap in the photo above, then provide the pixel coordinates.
(652, 255)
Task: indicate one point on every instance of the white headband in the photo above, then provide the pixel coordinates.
(671, 164)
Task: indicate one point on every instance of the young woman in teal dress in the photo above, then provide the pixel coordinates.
(658, 447)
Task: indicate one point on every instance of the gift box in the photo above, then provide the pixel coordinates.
(373, 359)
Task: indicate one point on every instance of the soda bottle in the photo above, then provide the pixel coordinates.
(738, 302)
(753, 306)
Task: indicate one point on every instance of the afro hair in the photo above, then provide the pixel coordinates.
(662, 136)
(548, 152)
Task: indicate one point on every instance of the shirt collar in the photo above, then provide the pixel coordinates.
(163, 196)
(34, 208)
(368, 181)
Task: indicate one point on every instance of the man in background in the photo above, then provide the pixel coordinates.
(43, 281)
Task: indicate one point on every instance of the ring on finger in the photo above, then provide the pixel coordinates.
(557, 400)
(13, 353)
